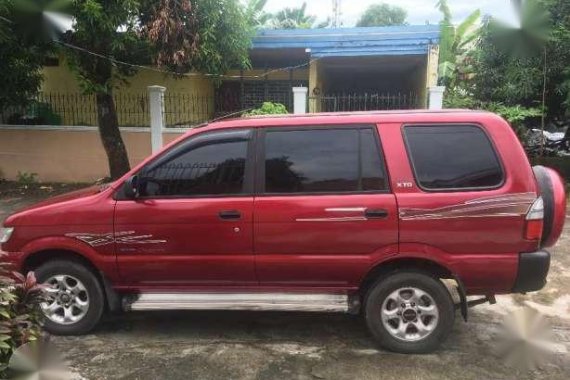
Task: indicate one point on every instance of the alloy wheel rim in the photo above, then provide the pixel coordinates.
(67, 300)
(409, 314)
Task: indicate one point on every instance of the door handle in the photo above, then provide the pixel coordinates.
(230, 214)
(376, 213)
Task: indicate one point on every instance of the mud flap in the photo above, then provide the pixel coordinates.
(463, 306)
(113, 299)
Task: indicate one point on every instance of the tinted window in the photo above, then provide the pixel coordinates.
(452, 157)
(215, 168)
(373, 177)
(322, 160)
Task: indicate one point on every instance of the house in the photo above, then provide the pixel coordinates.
(344, 69)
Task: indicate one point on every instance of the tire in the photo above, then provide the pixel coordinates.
(551, 187)
(85, 299)
(546, 191)
(430, 292)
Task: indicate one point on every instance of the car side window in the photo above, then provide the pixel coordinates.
(213, 165)
(321, 160)
(450, 157)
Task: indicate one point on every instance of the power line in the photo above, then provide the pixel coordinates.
(168, 72)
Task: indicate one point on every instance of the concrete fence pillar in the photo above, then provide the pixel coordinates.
(435, 98)
(300, 100)
(156, 107)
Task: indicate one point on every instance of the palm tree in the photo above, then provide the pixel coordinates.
(293, 18)
(256, 13)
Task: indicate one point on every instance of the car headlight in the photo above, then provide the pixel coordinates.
(5, 233)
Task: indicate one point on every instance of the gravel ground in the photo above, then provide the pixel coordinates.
(244, 345)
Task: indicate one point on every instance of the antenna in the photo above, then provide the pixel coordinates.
(336, 22)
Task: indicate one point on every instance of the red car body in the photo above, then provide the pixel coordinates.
(268, 248)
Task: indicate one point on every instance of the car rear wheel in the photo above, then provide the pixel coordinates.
(409, 312)
(75, 299)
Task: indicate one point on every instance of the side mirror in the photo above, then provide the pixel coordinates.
(131, 187)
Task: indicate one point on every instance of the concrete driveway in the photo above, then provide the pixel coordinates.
(244, 345)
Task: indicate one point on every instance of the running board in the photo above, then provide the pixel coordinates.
(239, 301)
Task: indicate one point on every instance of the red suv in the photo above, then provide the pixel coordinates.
(358, 213)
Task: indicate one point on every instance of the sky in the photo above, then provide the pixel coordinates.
(419, 11)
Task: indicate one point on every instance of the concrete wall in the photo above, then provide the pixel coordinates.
(66, 154)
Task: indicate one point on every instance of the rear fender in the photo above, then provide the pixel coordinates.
(480, 273)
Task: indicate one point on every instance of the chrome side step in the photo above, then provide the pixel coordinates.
(239, 301)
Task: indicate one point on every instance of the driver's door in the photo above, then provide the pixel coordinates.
(191, 224)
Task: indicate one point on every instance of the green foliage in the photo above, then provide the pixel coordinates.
(25, 178)
(36, 113)
(225, 37)
(525, 40)
(22, 58)
(456, 46)
(383, 15)
(20, 316)
(256, 14)
(108, 28)
(268, 108)
(558, 52)
(512, 63)
(447, 34)
(292, 18)
(209, 36)
(516, 115)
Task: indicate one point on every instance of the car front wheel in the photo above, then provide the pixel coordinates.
(74, 300)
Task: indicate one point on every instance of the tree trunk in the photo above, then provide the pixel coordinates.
(111, 136)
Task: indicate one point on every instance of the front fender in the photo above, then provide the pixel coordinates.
(104, 262)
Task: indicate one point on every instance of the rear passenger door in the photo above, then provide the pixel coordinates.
(323, 208)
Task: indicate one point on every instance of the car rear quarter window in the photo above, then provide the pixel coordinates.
(323, 161)
(452, 157)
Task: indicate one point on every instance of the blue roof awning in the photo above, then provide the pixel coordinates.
(352, 42)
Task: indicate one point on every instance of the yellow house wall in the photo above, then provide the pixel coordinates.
(316, 81)
(188, 99)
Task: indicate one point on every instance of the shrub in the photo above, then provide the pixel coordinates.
(36, 113)
(26, 178)
(268, 108)
(516, 115)
(20, 316)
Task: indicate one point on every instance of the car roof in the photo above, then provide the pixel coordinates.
(368, 117)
